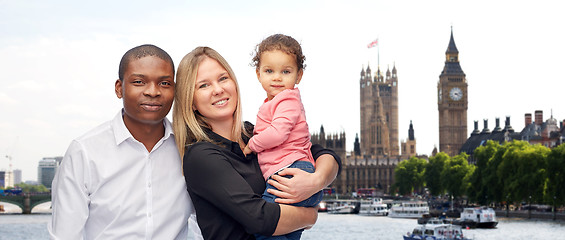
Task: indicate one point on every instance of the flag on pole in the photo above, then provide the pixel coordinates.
(373, 43)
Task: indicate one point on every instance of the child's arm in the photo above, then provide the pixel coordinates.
(286, 114)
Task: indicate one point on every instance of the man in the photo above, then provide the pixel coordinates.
(123, 179)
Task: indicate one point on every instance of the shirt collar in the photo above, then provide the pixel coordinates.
(226, 143)
(121, 132)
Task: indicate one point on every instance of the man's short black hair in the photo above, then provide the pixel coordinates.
(140, 52)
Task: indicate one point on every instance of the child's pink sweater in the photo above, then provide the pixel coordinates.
(281, 134)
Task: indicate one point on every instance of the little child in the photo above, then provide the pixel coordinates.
(281, 136)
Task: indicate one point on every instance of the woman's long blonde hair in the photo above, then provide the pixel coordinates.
(188, 124)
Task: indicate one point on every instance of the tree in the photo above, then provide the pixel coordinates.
(455, 175)
(433, 171)
(524, 167)
(484, 177)
(409, 175)
(32, 188)
(555, 185)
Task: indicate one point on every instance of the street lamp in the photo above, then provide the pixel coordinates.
(554, 208)
(507, 204)
(530, 208)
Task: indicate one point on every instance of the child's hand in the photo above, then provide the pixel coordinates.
(247, 150)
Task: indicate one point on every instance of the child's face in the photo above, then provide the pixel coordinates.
(278, 71)
(147, 90)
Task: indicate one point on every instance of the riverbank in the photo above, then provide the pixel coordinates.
(524, 214)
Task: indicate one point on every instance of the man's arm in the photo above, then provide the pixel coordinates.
(69, 196)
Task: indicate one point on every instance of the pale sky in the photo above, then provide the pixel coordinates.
(59, 60)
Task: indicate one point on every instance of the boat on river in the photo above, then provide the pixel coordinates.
(409, 209)
(343, 206)
(477, 217)
(373, 207)
(436, 231)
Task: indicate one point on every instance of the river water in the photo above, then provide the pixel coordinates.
(328, 227)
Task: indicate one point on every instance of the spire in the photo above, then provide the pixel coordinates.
(411, 132)
(452, 66)
(357, 146)
(451, 48)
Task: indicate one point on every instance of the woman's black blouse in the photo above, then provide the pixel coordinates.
(226, 188)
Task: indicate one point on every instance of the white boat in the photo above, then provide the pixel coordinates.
(478, 217)
(409, 209)
(373, 207)
(436, 231)
(342, 206)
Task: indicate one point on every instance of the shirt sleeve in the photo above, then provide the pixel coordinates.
(317, 151)
(210, 175)
(286, 114)
(70, 198)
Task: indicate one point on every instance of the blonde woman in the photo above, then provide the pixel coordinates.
(224, 184)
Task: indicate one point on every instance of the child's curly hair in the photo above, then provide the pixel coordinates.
(280, 42)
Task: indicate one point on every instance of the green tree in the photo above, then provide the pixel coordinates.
(484, 177)
(555, 185)
(409, 175)
(433, 171)
(455, 175)
(32, 188)
(524, 167)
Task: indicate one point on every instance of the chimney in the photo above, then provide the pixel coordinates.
(539, 117)
(528, 118)
(497, 128)
(507, 126)
(476, 131)
(485, 130)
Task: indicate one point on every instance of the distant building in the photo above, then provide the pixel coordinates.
(452, 102)
(549, 133)
(17, 176)
(408, 147)
(3, 179)
(31, 182)
(6, 178)
(47, 169)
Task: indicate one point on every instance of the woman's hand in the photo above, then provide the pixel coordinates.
(298, 188)
(303, 184)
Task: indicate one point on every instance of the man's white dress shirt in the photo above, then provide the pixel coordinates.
(109, 186)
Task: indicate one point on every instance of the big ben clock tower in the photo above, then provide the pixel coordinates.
(452, 102)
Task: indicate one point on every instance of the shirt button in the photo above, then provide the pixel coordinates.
(149, 215)
(149, 185)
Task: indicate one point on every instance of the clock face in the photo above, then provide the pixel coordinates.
(456, 94)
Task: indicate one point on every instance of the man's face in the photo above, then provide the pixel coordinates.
(147, 90)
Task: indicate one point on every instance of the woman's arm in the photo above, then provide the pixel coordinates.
(295, 218)
(303, 185)
(211, 176)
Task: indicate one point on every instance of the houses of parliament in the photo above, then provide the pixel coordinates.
(376, 150)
